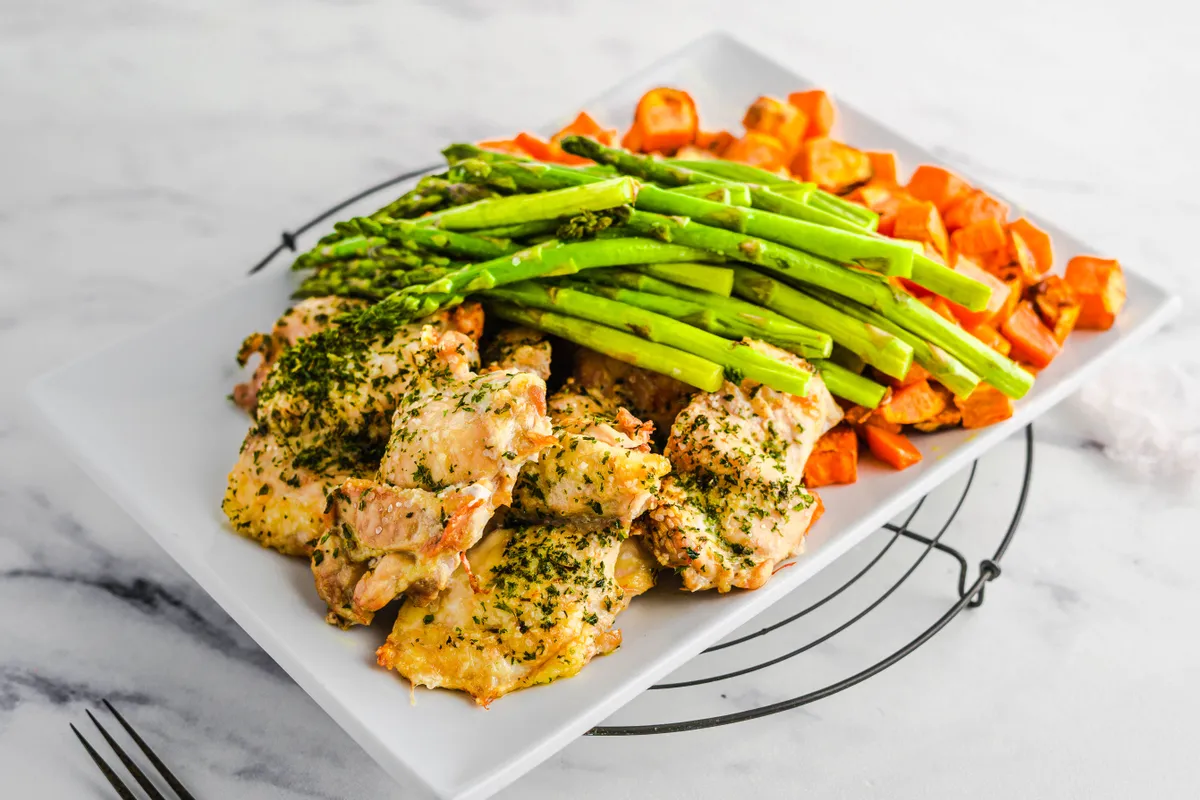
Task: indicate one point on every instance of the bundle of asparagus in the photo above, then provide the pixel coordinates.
(665, 264)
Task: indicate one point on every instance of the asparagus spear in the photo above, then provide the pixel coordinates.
(668, 174)
(948, 370)
(844, 358)
(778, 258)
(954, 286)
(529, 208)
(520, 230)
(754, 321)
(818, 198)
(877, 347)
(554, 258)
(738, 360)
(702, 277)
(690, 369)
(730, 194)
(872, 291)
(848, 385)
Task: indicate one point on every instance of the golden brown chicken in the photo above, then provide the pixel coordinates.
(546, 603)
(452, 459)
(600, 467)
(735, 505)
(303, 319)
(276, 491)
(648, 395)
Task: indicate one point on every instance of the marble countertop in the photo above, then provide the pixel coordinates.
(151, 153)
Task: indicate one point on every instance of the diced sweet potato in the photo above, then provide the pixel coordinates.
(818, 107)
(550, 152)
(980, 238)
(883, 166)
(915, 373)
(914, 403)
(937, 185)
(941, 305)
(818, 512)
(784, 121)
(633, 138)
(584, 125)
(921, 222)
(667, 119)
(992, 338)
(1038, 242)
(1032, 342)
(833, 166)
(893, 449)
(758, 149)
(885, 200)
(975, 206)
(1016, 289)
(714, 142)
(1057, 304)
(995, 304)
(860, 416)
(985, 406)
(1100, 284)
(504, 146)
(949, 416)
(834, 460)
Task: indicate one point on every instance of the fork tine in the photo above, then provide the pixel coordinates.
(120, 787)
(168, 776)
(133, 768)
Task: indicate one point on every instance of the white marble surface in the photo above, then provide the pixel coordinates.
(150, 153)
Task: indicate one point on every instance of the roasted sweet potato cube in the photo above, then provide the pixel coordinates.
(992, 338)
(893, 449)
(975, 206)
(1100, 284)
(1057, 304)
(818, 107)
(834, 460)
(913, 403)
(883, 165)
(1038, 242)
(996, 303)
(784, 121)
(980, 239)
(757, 149)
(885, 200)
(714, 142)
(985, 406)
(833, 166)
(921, 222)
(937, 185)
(1032, 342)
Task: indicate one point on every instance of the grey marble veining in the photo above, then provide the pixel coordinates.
(152, 152)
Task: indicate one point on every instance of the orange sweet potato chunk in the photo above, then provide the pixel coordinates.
(834, 460)
(975, 206)
(1038, 242)
(833, 166)
(921, 222)
(758, 149)
(1100, 284)
(937, 185)
(883, 165)
(818, 108)
(985, 406)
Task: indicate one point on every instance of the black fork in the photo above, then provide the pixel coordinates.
(122, 789)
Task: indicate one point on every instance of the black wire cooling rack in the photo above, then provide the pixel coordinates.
(969, 590)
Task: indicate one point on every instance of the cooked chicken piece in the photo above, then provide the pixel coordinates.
(452, 460)
(648, 395)
(479, 428)
(518, 348)
(330, 398)
(276, 490)
(390, 540)
(273, 502)
(735, 505)
(303, 319)
(600, 467)
(548, 596)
